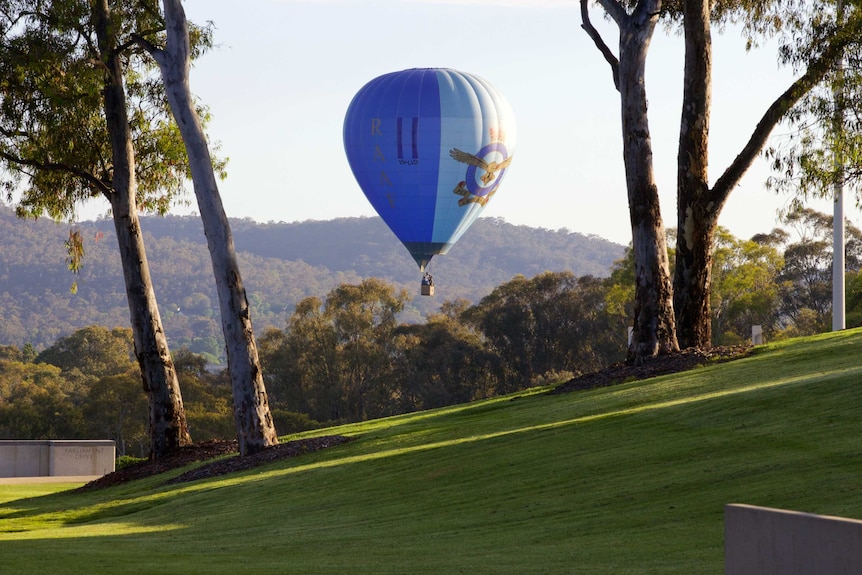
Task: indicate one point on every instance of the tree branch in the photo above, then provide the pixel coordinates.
(591, 31)
(153, 50)
(614, 9)
(7, 133)
(59, 167)
(815, 72)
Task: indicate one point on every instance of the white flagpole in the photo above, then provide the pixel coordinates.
(838, 267)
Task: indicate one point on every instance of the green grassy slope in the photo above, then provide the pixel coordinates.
(628, 479)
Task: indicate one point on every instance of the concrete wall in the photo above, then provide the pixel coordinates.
(763, 541)
(56, 458)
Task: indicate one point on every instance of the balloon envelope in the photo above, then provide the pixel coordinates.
(429, 147)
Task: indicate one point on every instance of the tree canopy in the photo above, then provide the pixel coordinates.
(75, 106)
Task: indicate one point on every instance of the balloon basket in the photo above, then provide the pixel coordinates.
(427, 284)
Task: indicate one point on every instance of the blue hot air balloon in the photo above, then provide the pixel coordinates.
(429, 147)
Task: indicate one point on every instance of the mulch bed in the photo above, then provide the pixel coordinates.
(214, 449)
(672, 363)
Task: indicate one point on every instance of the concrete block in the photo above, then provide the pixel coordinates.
(81, 457)
(764, 541)
(56, 458)
(757, 335)
(24, 458)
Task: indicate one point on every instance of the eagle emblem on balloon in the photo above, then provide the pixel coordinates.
(484, 172)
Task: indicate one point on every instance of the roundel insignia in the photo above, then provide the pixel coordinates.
(484, 172)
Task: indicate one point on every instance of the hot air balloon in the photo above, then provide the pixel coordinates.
(429, 147)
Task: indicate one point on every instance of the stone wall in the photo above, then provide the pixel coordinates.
(53, 458)
(764, 541)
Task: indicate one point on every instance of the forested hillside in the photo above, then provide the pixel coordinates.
(281, 264)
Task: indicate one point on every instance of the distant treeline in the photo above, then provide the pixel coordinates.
(282, 263)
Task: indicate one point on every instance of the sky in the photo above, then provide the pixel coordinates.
(283, 73)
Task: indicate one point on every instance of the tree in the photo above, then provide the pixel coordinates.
(823, 148)
(619, 296)
(820, 156)
(302, 364)
(745, 289)
(255, 427)
(11, 353)
(807, 272)
(95, 350)
(37, 403)
(207, 397)
(698, 203)
(654, 328)
(745, 286)
(364, 318)
(551, 323)
(67, 132)
(116, 409)
(443, 361)
(507, 319)
(854, 299)
(89, 354)
(338, 358)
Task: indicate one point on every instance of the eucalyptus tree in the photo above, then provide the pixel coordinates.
(807, 268)
(338, 358)
(36, 403)
(254, 424)
(444, 361)
(113, 410)
(364, 319)
(302, 365)
(813, 41)
(822, 147)
(820, 155)
(94, 350)
(746, 287)
(654, 328)
(76, 104)
(551, 323)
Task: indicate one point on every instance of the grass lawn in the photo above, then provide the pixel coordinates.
(630, 479)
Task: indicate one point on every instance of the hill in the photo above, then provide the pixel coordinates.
(281, 263)
(631, 479)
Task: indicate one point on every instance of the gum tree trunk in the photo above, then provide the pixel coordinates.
(167, 420)
(696, 220)
(255, 428)
(654, 329)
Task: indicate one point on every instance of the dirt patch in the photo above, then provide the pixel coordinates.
(209, 450)
(672, 363)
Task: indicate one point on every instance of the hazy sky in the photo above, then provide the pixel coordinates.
(284, 71)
